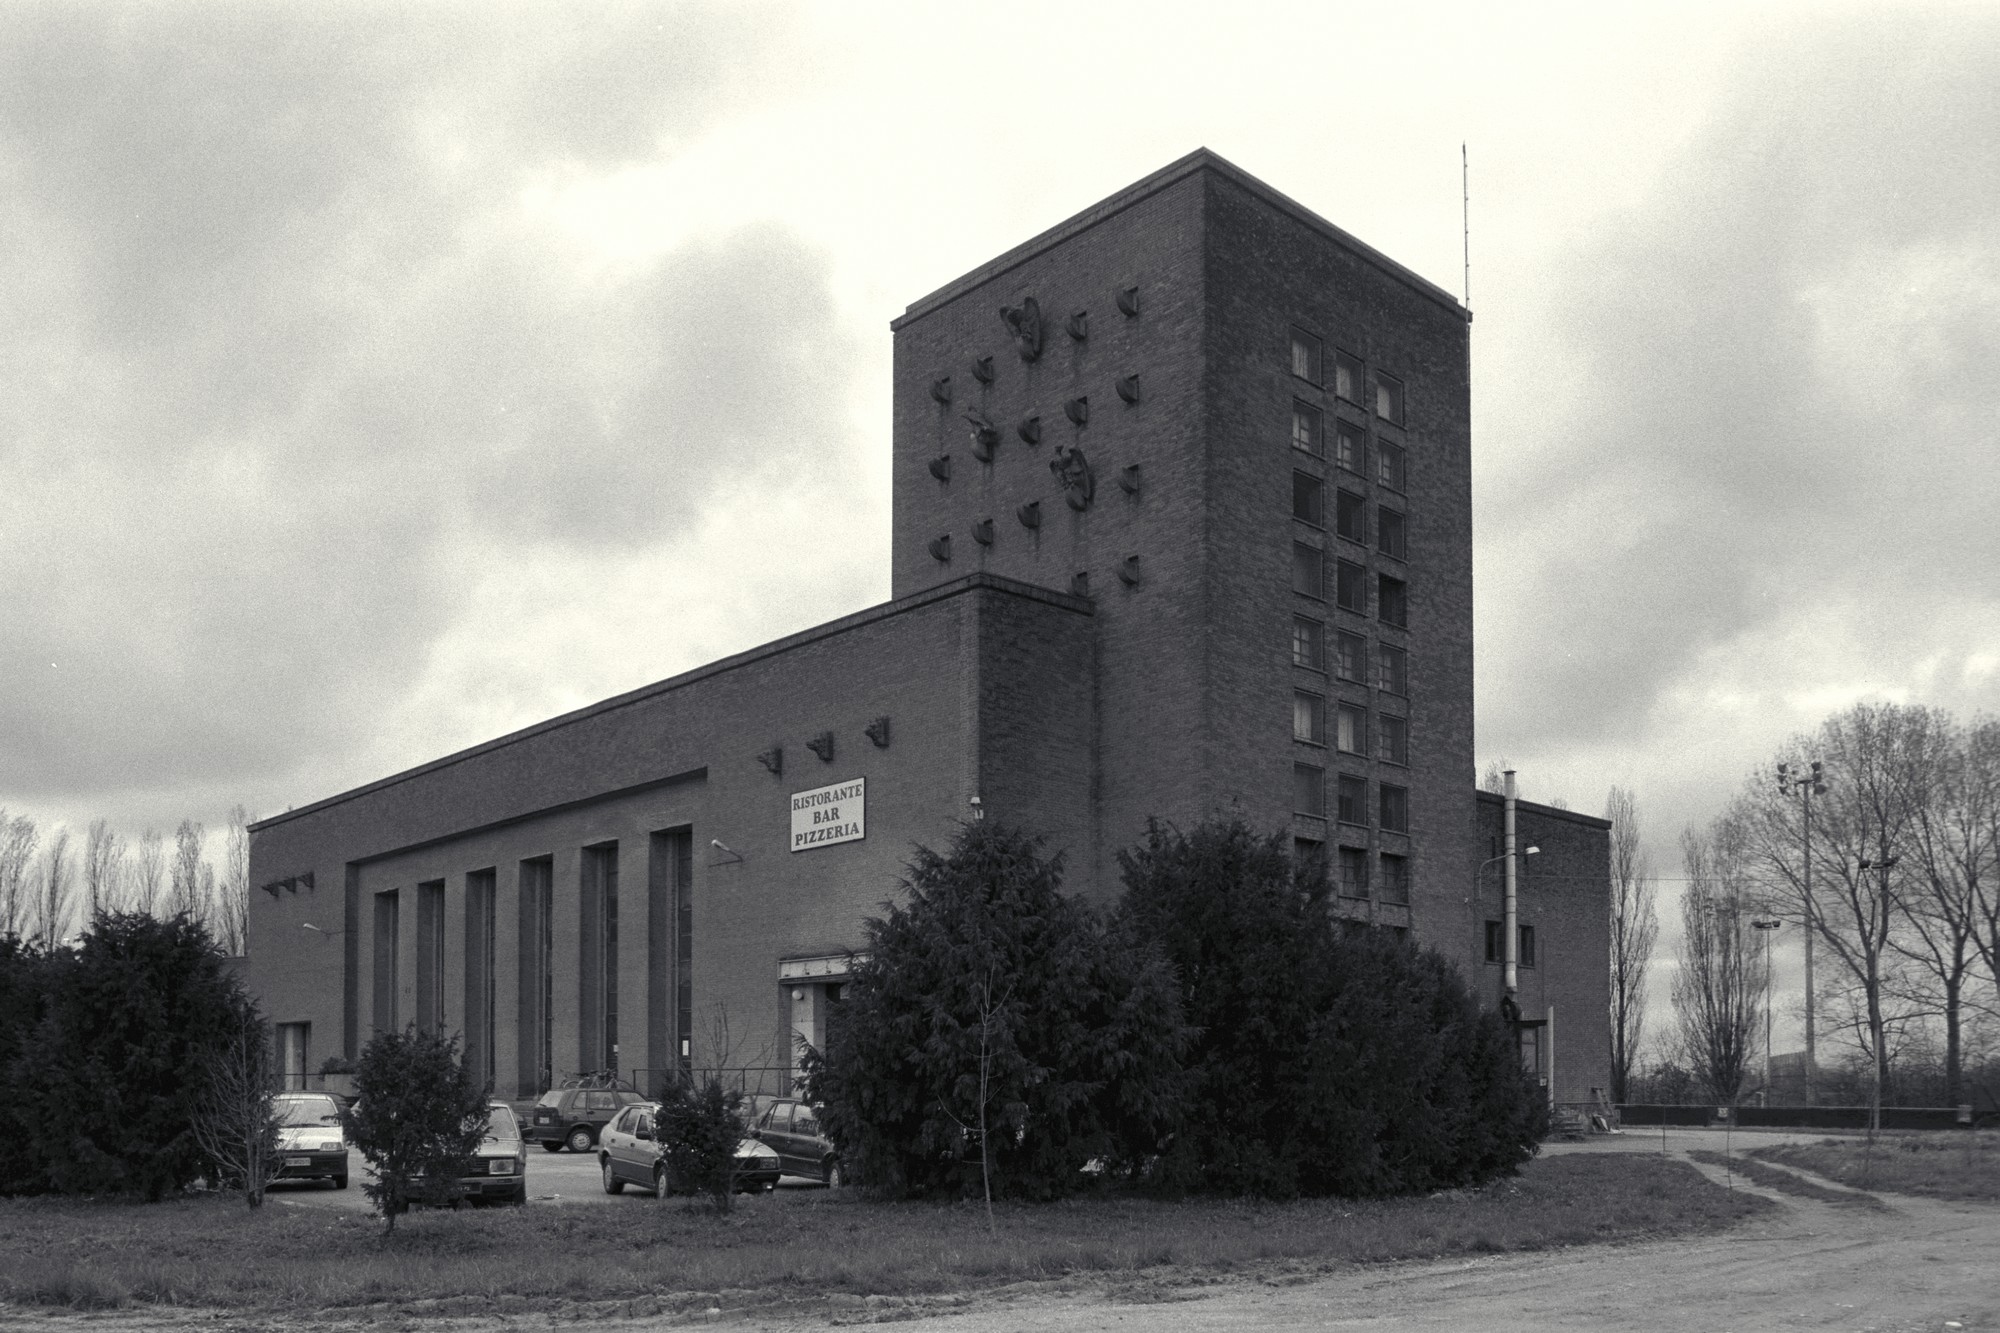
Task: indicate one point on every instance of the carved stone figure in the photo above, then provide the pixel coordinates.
(1024, 322)
(878, 731)
(982, 370)
(822, 745)
(985, 436)
(1072, 469)
(773, 759)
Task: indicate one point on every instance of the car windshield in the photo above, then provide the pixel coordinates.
(308, 1111)
(500, 1123)
(553, 1097)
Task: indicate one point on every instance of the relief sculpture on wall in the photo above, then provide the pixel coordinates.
(1024, 322)
(1072, 469)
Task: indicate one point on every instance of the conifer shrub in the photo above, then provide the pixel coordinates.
(700, 1125)
(417, 1119)
(1000, 1037)
(1327, 1060)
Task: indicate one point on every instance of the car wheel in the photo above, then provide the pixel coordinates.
(581, 1139)
(660, 1186)
(612, 1184)
(829, 1171)
(340, 1181)
(552, 1145)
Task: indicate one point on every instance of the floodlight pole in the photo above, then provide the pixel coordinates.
(1509, 916)
(1807, 786)
(1765, 927)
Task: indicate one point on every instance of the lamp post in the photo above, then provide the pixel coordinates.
(1764, 926)
(1883, 863)
(1506, 944)
(1806, 786)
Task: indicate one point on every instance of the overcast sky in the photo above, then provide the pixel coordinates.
(379, 379)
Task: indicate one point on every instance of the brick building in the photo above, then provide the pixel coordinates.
(1182, 525)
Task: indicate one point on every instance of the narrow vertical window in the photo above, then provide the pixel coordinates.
(1305, 356)
(293, 1057)
(1308, 499)
(1395, 808)
(600, 944)
(1389, 465)
(479, 907)
(1308, 643)
(1351, 729)
(535, 1000)
(1393, 739)
(388, 952)
(1309, 790)
(1352, 805)
(1395, 878)
(1394, 606)
(1350, 586)
(430, 956)
(1308, 570)
(1350, 516)
(1392, 669)
(1350, 449)
(1354, 872)
(1308, 717)
(1526, 955)
(1306, 423)
(1350, 652)
(1391, 532)
(1389, 399)
(1346, 377)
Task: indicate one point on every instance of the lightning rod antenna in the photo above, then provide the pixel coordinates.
(1465, 203)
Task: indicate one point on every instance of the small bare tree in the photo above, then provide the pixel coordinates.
(185, 897)
(1635, 926)
(103, 870)
(1718, 987)
(19, 839)
(56, 889)
(149, 875)
(235, 1119)
(233, 888)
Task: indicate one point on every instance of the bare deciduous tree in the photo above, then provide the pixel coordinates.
(55, 890)
(185, 892)
(1718, 989)
(232, 905)
(1635, 926)
(103, 870)
(18, 840)
(234, 1118)
(149, 873)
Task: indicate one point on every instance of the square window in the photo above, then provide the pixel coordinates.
(1395, 878)
(1395, 808)
(1350, 729)
(1392, 669)
(1389, 464)
(1350, 516)
(1309, 790)
(1354, 872)
(1393, 735)
(1308, 570)
(1305, 356)
(1308, 643)
(1349, 652)
(1353, 798)
(1394, 605)
(1346, 377)
(1351, 586)
(1306, 428)
(1350, 449)
(1308, 499)
(1389, 399)
(1391, 532)
(1308, 717)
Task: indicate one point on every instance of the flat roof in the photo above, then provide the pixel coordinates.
(1201, 159)
(869, 615)
(1545, 811)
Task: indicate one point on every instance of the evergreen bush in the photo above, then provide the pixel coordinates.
(417, 1119)
(1000, 1036)
(700, 1125)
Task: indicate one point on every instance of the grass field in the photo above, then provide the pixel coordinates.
(1951, 1164)
(835, 1246)
(1771, 1177)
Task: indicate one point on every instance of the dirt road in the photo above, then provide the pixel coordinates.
(1919, 1265)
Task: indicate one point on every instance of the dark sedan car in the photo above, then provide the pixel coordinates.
(792, 1130)
(573, 1117)
(628, 1153)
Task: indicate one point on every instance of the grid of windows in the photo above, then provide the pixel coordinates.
(1350, 729)
(1392, 735)
(1308, 643)
(1395, 808)
(1308, 717)
(1395, 878)
(1309, 499)
(1309, 790)
(1349, 652)
(1306, 428)
(1350, 586)
(1305, 356)
(1346, 377)
(1352, 807)
(1393, 605)
(1350, 516)
(1392, 669)
(1391, 532)
(1308, 570)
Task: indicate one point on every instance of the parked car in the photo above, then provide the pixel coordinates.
(500, 1166)
(311, 1142)
(792, 1130)
(628, 1153)
(572, 1117)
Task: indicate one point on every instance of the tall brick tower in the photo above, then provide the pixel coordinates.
(1245, 435)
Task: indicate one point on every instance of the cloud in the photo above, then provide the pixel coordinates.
(292, 345)
(1780, 407)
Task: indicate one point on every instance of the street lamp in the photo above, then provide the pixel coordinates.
(1764, 926)
(1507, 923)
(1806, 786)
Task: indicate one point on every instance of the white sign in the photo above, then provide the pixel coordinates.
(826, 815)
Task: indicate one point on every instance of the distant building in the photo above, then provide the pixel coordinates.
(1182, 526)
